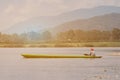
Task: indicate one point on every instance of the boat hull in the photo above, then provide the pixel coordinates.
(57, 56)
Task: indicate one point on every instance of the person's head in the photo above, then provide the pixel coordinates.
(92, 49)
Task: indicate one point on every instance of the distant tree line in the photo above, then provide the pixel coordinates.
(67, 36)
(92, 35)
(30, 37)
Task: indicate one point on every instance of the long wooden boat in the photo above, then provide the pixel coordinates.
(57, 56)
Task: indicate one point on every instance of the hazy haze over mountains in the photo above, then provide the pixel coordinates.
(103, 22)
(76, 19)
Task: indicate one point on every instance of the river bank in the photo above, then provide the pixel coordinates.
(61, 44)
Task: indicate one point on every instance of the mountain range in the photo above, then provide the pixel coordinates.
(88, 17)
(103, 22)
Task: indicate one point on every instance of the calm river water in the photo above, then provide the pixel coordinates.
(14, 67)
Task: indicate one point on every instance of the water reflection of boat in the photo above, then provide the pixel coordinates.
(57, 56)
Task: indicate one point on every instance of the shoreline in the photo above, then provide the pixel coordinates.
(60, 45)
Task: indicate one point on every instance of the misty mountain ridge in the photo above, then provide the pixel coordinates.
(44, 22)
(103, 22)
(24, 28)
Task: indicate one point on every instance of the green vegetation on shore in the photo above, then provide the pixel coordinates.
(70, 38)
(82, 44)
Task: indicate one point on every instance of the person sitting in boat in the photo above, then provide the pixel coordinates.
(92, 52)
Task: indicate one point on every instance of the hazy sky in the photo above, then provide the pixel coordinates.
(14, 11)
